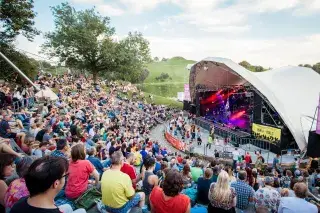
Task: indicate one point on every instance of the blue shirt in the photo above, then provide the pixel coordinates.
(244, 192)
(203, 190)
(296, 205)
(143, 153)
(157, 167)
(96, 163)
(58, 153)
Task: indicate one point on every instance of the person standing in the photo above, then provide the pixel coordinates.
(245, 193)
(267, 197)
(209, 142)
(276, 162)
(235, 157)
(247, 159)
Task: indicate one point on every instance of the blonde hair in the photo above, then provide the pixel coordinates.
(221, 192)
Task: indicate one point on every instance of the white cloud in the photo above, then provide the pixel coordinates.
(109, 10)
(269, 53)
(138, 6)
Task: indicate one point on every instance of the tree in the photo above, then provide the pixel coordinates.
(258, 69)
(245, 64)
(16, 17)
(83, 39)
(316, 67)
(156, 59)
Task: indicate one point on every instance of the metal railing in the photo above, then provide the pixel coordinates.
(23, 103)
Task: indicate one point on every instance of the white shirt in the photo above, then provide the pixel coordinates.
(296, 205)
(235, 154)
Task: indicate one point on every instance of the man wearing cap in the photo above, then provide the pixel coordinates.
(267, 197)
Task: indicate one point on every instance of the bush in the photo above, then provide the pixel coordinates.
(163, 76)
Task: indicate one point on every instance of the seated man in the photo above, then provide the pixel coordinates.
(118, 194)
(5, 130)
(44, 179)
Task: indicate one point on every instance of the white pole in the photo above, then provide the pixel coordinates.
(19, 71)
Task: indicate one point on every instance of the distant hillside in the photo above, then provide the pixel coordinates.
(174, 67)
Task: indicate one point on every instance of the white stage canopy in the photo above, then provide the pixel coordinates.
(292, 91)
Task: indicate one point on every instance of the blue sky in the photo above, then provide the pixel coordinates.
(271, 33)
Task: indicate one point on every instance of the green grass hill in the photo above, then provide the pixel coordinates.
(174, 67)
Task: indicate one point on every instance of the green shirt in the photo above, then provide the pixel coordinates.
(209, 139)
(196, 172)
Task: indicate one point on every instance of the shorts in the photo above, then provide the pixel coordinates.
(124, 209)
(10, 135)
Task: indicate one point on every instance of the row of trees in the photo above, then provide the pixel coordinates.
(247, 65)
(16, 17)
(82, 40)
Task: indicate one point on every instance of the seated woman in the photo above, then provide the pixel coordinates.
(79, 172)
(18, 189)
(203, 187)
(6, 148)
(169, 199)
(223, 198)
(6, 170)
(186, 176)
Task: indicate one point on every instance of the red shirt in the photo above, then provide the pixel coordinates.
(177, 204)
(179, 159)
(79, 173)
(247, 158)
(129, 170)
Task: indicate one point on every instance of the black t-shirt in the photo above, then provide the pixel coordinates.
(40, 134)
(22, 206)
(4, 126)
(111, 150)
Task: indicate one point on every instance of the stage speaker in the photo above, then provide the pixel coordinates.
(186, 105)
(313, 149)
(193, 109)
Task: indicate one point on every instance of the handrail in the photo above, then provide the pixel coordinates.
(25, 103)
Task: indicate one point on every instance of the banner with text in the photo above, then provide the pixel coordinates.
(187, 92)
(266, 132)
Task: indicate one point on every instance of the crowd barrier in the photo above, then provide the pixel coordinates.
(23, 103)
(175, 142)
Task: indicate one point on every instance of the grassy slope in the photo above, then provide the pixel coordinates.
(175, 67)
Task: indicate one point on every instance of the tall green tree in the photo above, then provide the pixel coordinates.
(83, 39)
(16, 17)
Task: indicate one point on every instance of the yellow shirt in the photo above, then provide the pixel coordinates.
(138, 159)
(116, 188)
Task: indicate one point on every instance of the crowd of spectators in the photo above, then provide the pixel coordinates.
(88, 138)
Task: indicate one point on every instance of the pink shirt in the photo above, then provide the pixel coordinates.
(77, 182)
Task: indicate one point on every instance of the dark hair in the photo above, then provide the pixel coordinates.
(242, 175)
(23, 166)
(43, 172)
(173, 183)
(149, 162)
(61, 143)
(91, 151)
(186, 169)
(5, 160)
(78, 153)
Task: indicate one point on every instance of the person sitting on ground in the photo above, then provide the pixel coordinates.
(149, 179)
(6, 170)
(62, 149)
(297, 204)
(196, 171)
(118, 195)
(267, 197)
(79, 172)
(169, 198)
(223, 198)
(6, 132)
(95, 161)
(186, 176)
(128, 169)
(245, 192)
(44, 179)
(41, 150)
(6, 148)
(203, 187)
(18, 189)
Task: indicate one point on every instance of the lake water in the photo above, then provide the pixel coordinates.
(164, 90)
